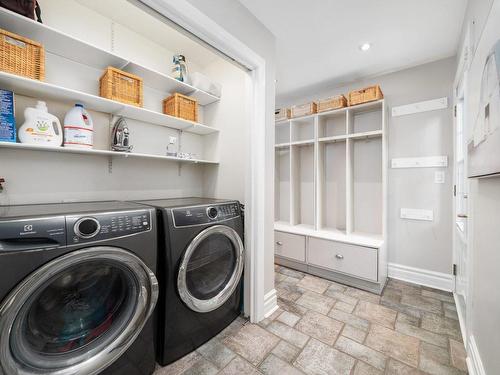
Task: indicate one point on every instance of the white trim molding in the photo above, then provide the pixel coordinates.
(270, 303)
(474, 363)
(432, 279)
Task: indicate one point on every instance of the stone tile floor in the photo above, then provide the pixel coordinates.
(322, 327)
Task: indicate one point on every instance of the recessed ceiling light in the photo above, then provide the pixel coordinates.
(365, 47)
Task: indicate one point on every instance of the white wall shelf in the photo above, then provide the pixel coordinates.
(29, 87)
(361, 239)
(23, 146)
(64, 45)
(282, 145)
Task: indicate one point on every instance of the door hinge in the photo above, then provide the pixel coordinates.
(454, 270)
(455, 111)
(454, 190)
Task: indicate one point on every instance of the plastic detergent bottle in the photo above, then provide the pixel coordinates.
(40, 127)
(78, 128)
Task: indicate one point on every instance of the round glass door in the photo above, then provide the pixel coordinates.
(211, 268)
(76, 314)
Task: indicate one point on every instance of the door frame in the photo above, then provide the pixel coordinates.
(187, 16)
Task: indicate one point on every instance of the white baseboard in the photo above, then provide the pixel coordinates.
(270, 303)
(420, 276)
(461, 319)
(474, 363)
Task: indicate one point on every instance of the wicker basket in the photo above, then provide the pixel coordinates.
(181, 106)
(281, 114)
(121, 86)
(368, 94)
(334, 102)
(304, 109)
(21, 56)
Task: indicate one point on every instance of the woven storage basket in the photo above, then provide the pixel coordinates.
(181, 106)
(121, 86)
(304, 109)
(21, 56)
(282, 114)
(368, 94)
(334, 102)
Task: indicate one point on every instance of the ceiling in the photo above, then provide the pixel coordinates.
(318, 41)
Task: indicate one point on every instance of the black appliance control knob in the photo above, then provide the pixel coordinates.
(212, 212)
(87, 227)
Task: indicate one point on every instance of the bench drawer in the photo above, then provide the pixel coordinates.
(354, 260)
(289, 245)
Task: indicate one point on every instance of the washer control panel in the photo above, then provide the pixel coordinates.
(32, 234)
(98, 227)
(200, 215)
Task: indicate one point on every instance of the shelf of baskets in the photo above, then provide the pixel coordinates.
(66, 46)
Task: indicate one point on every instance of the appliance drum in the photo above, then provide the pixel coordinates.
(77, 313)
(211, 268)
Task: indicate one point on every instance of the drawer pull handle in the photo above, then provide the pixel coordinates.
(279, 243)
(339, 256)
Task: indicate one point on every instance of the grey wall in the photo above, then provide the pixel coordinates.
(420, 244)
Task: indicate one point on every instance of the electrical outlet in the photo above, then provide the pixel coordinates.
(172, 140)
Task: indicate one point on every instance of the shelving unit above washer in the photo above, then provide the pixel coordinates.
(82, 151)
(68, 47)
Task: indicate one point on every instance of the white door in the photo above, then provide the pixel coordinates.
(460, 251)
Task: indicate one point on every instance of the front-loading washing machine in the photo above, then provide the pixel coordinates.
(201, 258)
(77, 289)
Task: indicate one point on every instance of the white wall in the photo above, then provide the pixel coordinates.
(224, 181)
(420, 244)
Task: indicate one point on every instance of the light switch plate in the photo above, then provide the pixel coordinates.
(417, 214)
(439, 177)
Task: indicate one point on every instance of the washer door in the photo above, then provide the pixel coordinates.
(211, 268)
(77, 314)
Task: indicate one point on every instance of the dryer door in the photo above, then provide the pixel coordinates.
(77, 314)
(211, 268)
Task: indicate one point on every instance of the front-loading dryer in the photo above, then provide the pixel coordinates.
(201, 258)
(77, 289)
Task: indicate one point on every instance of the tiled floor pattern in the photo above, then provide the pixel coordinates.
(323, 327)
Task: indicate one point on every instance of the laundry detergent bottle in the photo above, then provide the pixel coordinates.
(78, 128)
(40, 127)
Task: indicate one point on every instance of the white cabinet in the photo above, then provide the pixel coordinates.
(290, 246)
(353, 260)
(331, 188)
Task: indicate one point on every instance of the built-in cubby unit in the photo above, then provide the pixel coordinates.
(302, 130)
(282, 185)
(302, 187)
(331, 207)
(337, 188)
(367, 187)
(332, 124)
(282, 136)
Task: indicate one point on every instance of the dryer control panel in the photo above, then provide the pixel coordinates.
(200, 215)
(98, 227)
